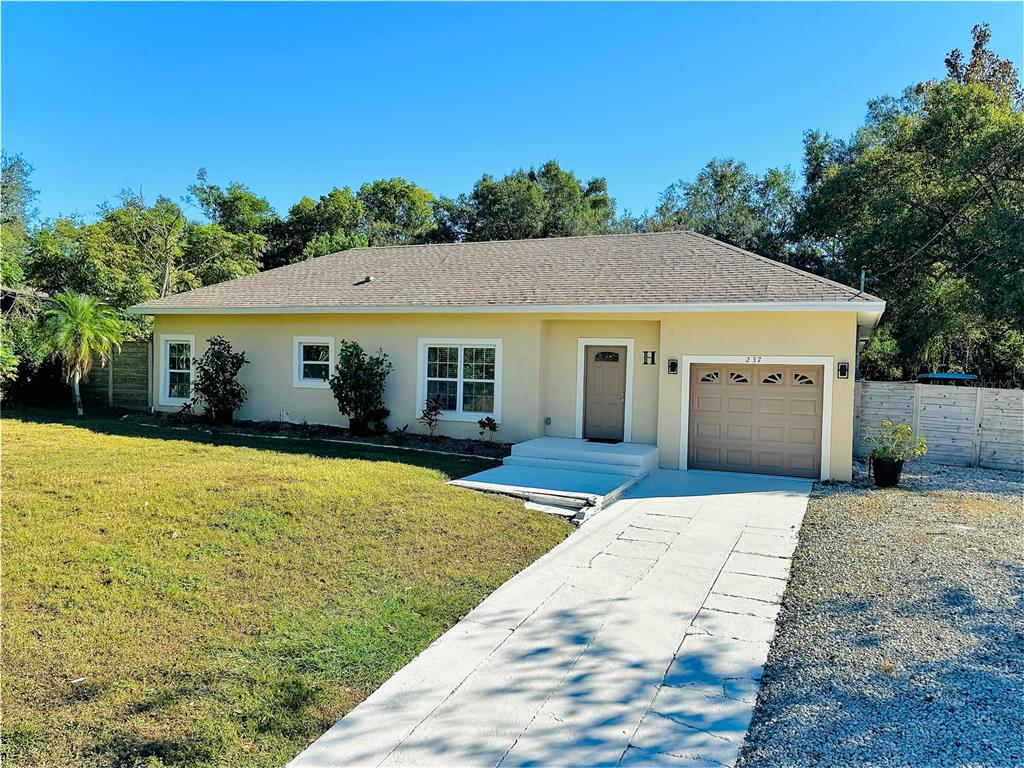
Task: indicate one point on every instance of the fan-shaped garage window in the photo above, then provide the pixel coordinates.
(735, 377)
(606, 357)
(709, 378)
(772, 378)
(801, 378)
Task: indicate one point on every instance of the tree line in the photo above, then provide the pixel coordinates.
(927, 197)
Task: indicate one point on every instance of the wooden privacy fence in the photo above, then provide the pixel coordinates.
(969, 426)
(124, 381)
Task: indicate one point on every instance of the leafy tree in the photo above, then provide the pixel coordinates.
(929, 198)
(985, 67)
(216, 379)
(238, 211)
(544, 202)
(396, 212)
(318, 227)
(358, 386)
(729, 202)
(16, 213)
(78, 329)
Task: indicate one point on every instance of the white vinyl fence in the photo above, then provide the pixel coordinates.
(969, 426)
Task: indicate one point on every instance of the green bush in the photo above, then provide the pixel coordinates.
(216, 382)
(358, 386)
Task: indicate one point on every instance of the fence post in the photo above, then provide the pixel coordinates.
(110, 380)
(149, 373)
(976, 442)
(916, 417)
(858, 406)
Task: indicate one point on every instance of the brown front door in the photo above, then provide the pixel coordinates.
(604, 393)
(756, 418)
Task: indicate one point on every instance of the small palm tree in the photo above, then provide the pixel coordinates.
(78, 328)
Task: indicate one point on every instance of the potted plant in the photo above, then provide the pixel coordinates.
(894, 445)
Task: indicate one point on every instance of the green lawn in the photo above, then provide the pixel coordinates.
(175, 600)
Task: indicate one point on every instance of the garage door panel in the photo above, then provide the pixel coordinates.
(763, 419)
(710, 430)
(740, 405)
(739, 432)
(709, 404)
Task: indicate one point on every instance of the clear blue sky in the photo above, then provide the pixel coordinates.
(294, 99)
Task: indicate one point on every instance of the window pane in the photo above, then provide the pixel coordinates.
(179, 384)
(445, 392)
(606, 357)
(478, 363)
(478, 397)
(443, 362)
(316, 353)
(315, 371)
(179, 356)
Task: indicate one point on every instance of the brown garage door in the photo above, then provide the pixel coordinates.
(756, 418)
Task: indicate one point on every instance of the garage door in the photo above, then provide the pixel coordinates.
(756, 418)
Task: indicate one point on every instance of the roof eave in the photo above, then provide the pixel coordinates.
(869, 310)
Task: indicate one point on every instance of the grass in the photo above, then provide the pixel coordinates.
(173, 600)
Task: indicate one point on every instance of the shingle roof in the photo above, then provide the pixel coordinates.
(666, 268)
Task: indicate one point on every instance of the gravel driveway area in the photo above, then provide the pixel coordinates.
(901, 637)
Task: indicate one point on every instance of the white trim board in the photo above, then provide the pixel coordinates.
(421, 376)
(165, 340)
(853, 305)
(827, 363)
(581, 349)
(297, 380)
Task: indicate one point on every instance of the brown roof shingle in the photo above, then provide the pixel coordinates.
(637, 269)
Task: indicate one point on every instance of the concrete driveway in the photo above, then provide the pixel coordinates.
(639, 640)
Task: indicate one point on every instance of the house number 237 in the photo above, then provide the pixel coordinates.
(754, 359)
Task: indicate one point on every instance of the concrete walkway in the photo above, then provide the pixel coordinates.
(639, 640)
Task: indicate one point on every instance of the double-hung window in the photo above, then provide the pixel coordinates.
(463, 376)
(176, 353)
(312, 361)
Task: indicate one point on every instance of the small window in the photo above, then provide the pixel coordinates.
(735, 377)
(800, 378)
(316, 362)
(606, 357)
(313, 361)
(711, 377)
(176, 353)
(772, 378)
(179, 370)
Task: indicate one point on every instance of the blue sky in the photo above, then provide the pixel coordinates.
(293, 99)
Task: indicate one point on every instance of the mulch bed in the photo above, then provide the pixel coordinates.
(491, 449)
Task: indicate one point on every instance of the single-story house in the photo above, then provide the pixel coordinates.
(722, 358)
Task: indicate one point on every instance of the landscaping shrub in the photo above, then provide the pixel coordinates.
(358, 386)
(216, 382)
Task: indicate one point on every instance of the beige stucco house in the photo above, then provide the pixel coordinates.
(723, 359)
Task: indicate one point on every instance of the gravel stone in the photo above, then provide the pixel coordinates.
(900, 641)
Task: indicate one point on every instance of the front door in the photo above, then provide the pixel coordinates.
(604, 393)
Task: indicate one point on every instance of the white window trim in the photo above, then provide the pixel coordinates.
(421, 377)
(581, 371)
(827, 363)
(165, 341)
(297, 380)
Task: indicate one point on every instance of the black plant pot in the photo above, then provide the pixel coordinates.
(358, 427)
(223, 416)
(887, 472)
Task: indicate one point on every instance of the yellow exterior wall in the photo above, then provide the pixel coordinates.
(539, 363)
(560, 371)
(817, 334)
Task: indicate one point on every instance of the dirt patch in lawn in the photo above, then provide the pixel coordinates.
(901, 637)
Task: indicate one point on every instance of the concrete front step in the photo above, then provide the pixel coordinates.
(636, 455)
(627, 470)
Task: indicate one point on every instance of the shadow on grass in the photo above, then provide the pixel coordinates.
(108, 421)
